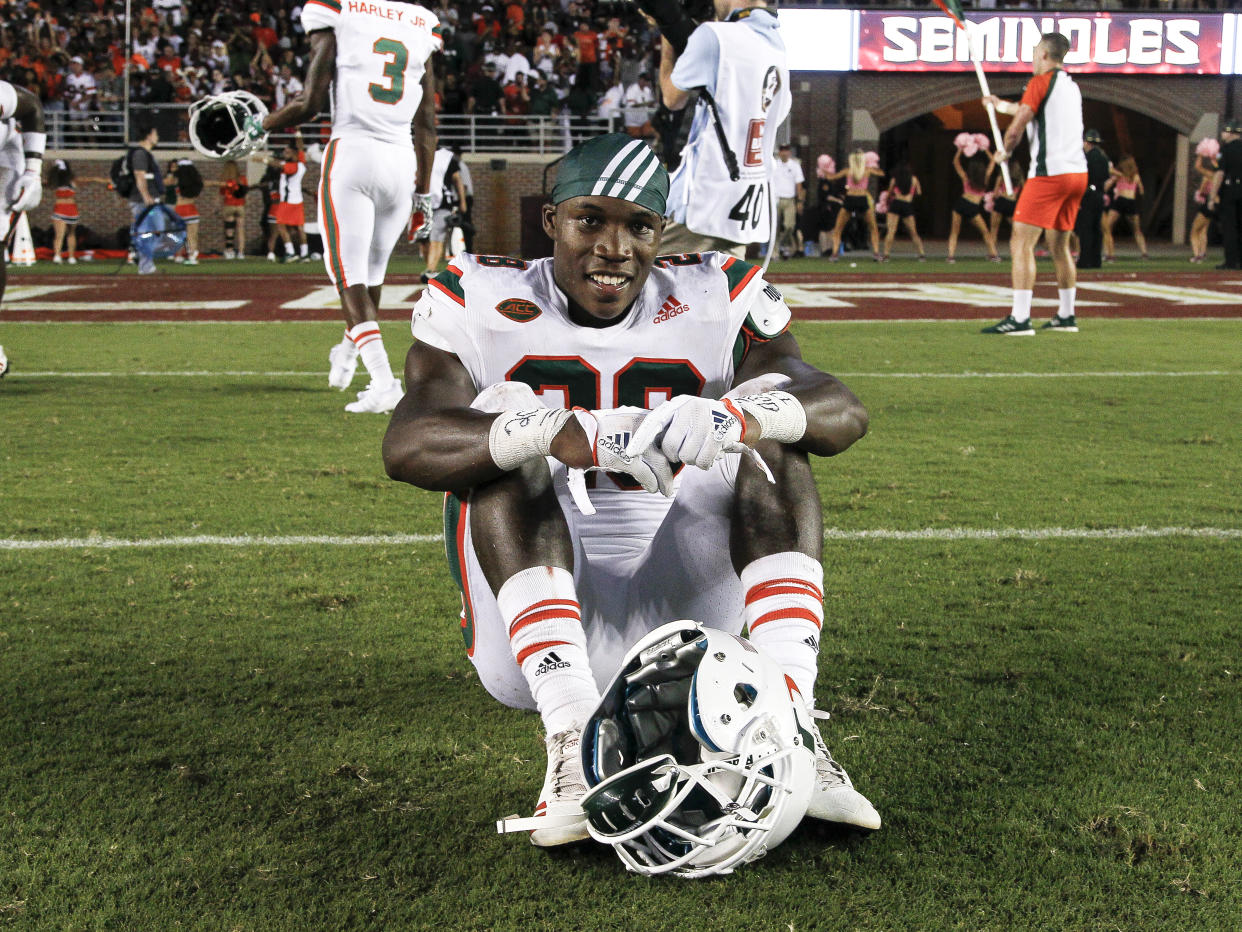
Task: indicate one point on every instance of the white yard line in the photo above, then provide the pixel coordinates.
(832, 534)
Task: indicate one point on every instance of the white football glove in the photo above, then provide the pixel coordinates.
(420, 219)
(29, 191)
(696, 431)
(609, 431)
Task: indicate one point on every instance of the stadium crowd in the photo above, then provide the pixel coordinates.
(502, 57)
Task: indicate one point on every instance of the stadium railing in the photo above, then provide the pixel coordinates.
(541, 135)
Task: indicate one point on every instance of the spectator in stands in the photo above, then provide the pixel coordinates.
(639, 99)
(613, 101)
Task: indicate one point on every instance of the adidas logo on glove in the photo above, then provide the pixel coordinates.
(722, 421)
(616, 444)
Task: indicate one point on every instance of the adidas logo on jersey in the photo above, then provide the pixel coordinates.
(669, 309)
(549, 663)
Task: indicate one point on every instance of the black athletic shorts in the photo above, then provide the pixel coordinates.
(1003, 206)
(1126, 206)
(857, 204)
(901, 209)
(967, 208)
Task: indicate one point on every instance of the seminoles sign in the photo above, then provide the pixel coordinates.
(1099, 42)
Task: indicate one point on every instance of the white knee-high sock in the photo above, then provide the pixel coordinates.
(785, 612)
(1021, 305)
(366, 337)
(540, 607)
(1065, 301)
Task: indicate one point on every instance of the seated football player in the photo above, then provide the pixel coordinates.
(624, 439)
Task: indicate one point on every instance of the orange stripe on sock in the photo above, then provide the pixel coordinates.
(535, 648)
(787, 614)
(785, 586)
(528, 620)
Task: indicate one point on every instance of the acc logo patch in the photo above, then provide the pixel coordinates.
(519, 310)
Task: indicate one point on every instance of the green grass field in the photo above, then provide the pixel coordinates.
(260, 733)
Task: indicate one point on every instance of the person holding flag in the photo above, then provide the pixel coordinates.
(1050, 112)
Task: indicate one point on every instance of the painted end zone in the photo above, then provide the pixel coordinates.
(181, 297)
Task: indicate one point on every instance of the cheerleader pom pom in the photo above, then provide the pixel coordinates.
(825, 165)
(962, 140)
(873, 159)
(881, 206)
(1208, 147)
(988, 201)
(1200, 197)
(982, 143)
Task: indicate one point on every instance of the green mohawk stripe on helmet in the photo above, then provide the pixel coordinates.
(613, 165)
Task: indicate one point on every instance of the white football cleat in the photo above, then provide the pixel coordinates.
(558, 818)
(343, 360)
(834, 798)
(376, 400)
(4, 363)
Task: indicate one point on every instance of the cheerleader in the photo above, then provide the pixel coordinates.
(1206, 165)
(969, 206)
(902, 190)
(184, 185)
(65, 209)
(233, 190)
(1002, 203)
(1127, 187)
(829, 199)
(863, 166)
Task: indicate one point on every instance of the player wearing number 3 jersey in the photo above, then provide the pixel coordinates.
(371, 57)
(660, 376)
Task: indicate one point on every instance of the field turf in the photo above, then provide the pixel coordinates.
(222, 708)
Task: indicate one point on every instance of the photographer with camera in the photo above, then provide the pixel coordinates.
(720, 197)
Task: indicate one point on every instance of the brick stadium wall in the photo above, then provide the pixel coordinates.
(500, 185)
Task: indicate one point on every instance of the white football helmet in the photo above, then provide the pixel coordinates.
(226, 126)
(699, 757)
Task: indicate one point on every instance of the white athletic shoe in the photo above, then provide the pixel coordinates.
(57, 260)
(376, 400)
(229, 254)
(193, 259)
(4, 363)
(271, 257)
(343, 359)
(558, 818)
(834, 798)
(72, 261)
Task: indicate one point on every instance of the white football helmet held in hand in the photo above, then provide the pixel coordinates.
(228, 125)
(699, 758)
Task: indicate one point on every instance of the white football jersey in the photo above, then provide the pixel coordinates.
(382, 47)
(752, 95)
(506, 320)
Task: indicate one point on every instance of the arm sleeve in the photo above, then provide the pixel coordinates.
(1037, 90)
(320, 14)
(698, 64)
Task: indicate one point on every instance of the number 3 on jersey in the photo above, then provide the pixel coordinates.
(394, 71)
(749, 208)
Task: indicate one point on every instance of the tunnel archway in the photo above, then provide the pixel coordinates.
(925, 140)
